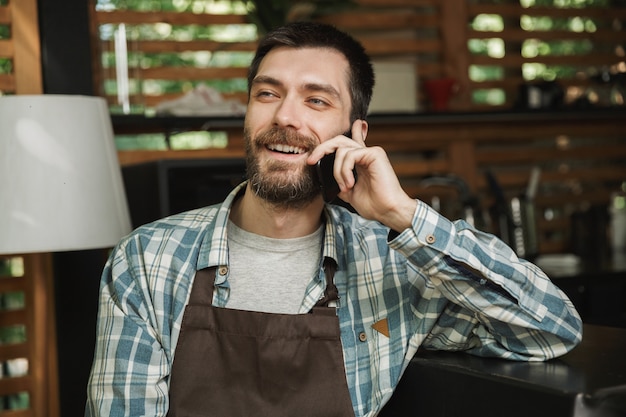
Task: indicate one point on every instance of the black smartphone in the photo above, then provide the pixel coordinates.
(327, 181)
(325, 177)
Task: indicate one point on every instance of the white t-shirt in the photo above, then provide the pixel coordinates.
(271, 275)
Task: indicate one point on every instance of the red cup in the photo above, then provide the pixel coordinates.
(439, 91)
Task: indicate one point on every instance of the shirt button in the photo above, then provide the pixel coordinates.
(430, 239)
(223, 270)
(362, 336)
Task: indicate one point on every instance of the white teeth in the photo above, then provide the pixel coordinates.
(286, 149)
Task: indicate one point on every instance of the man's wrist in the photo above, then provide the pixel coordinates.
(401, 217)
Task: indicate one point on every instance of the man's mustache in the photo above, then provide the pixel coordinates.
(277, 135)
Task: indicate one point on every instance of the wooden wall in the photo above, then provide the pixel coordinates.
(581, 156)
(575, 46)
(22, 48)
(34, 393)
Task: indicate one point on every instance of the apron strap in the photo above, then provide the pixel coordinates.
(330, 292)
(203, 284)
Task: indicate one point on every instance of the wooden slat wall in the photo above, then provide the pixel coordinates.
(432, 33)
(24, 52)
(39, 348)
(582, 163)
(581, 166)
(607, 41)
(406, 30)
(22, 48)
(167, 46)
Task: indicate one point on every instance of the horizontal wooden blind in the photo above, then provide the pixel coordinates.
(20, 68)
(27, 329)
(570, 45)
(400, 29)
(573, 46)
(7, 52)
(161, 59)
(27, 337)
(581, 161)
(580, 165)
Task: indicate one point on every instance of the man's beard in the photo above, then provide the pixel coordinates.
(281, 183)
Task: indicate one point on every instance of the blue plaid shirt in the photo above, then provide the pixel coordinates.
(440, 285)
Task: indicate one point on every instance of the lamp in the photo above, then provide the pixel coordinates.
(61, 190)
(60, 182)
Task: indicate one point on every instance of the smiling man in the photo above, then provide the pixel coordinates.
(275, 303)
(289, 116)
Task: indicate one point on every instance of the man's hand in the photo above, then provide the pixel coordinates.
(377, 195)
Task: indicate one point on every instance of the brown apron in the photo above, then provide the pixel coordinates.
(232, 363)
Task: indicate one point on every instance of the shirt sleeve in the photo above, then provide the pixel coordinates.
(498, 304)
(130, 367)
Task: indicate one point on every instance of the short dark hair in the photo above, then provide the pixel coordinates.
(319, 35)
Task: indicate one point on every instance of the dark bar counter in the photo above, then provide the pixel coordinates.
(597, 287)
(590, 381)
(133, 123)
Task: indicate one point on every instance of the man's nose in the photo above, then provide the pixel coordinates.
(287, 114)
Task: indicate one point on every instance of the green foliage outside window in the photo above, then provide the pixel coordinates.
(12, 334)
(180, 141)
(267, 13)
(10, 268)
(565, 3)
(6, 66)
(533, 47)
(194, 6)
(190, 59)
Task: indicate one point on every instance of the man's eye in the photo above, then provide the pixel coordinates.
(317, 102)
(264, 95)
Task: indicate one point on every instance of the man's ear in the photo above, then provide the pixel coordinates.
(358, 130)
(364, 127)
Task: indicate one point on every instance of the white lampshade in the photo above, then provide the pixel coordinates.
(61, 186)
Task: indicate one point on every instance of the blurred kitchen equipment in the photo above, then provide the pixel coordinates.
(541, 95)
(605, 402)
(525, 220)
(589, 225)
(500, 209)
(515, 218)
(524, 228)
(618, 221)
(471, 210)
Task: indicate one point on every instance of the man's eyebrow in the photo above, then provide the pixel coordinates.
(264, 79)
(324, 88)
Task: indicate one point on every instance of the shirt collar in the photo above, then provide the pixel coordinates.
(330, 235)
(214, 247)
